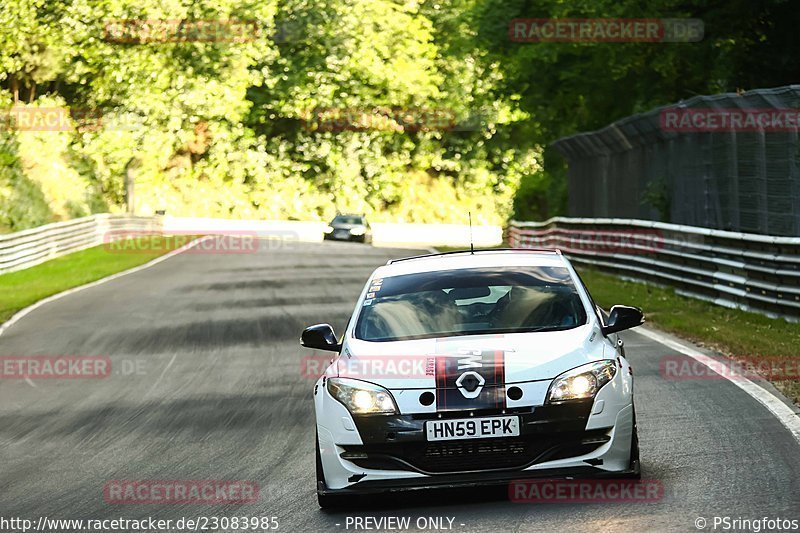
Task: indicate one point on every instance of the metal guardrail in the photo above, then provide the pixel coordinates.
(740, 270)
(748, 271)
(27, 248)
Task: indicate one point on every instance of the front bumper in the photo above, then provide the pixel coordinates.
(457, 481)
(395, 456)
(347, 238)
(546, 433)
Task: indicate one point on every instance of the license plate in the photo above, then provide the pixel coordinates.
(473, 428)
(341, 233)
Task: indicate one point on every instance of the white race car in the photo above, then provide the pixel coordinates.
(473, 368)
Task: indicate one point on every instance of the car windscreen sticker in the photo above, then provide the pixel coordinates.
(470, 379)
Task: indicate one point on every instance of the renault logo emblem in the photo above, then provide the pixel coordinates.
(470, 384)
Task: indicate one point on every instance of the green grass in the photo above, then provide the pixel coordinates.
(25, 287)
(730, 331)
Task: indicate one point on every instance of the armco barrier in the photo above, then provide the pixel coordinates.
(754, 272)
(748, 271)
(27, 248)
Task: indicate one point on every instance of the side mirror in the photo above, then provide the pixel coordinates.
(321, 337)
(623, 317)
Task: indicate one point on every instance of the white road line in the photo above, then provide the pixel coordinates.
(20, 314)
(782, 412)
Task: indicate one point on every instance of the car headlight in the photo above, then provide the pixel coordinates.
(358, 231)
(328, 229)
(362, 398)
(582, 382)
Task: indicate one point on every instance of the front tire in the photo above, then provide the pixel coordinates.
(635, 464)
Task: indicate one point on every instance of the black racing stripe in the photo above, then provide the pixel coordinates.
(488, 364)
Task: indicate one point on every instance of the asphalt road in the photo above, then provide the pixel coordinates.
(207, 384)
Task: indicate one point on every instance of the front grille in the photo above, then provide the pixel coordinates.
(473, 455)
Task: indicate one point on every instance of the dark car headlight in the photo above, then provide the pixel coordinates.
(582, 382)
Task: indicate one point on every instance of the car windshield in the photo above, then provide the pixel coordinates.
(343, 219)
(469, 302)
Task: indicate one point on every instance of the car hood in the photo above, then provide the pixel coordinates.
(501, 359)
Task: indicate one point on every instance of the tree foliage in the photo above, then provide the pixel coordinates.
(235, 125)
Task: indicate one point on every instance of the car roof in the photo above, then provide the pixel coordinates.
(466, 259)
